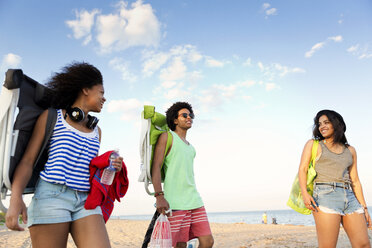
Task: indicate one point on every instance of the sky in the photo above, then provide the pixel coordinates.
(256, 73)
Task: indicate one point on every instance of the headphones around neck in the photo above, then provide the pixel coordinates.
(77, 115)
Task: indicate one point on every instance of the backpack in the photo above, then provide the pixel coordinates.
(32, 99)
(153, 124)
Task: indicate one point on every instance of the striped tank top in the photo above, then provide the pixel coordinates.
(70, 152)
(333, 167)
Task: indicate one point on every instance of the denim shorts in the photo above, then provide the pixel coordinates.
(336, 198)
(57, 203)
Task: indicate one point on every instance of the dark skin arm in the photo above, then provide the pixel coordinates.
(23, 174)
(161, 203)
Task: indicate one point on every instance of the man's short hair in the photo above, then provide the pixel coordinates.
(172, 113)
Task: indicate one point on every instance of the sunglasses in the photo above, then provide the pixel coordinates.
(184, 115)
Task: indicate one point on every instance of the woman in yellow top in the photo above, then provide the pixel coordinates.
(338, 195)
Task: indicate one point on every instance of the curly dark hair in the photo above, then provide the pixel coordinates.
(66, 85)
(338, 124)
(172, 113)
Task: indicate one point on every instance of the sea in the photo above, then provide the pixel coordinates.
(288, 217)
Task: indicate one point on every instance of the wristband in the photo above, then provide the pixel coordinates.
(158, 193)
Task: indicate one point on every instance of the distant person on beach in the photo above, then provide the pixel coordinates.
(273, 221)
(264, 218)
(338, 196)
(57, 207)
(189, 219)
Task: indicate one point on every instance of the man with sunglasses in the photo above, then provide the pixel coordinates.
(189, 219)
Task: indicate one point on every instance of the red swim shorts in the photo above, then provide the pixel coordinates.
(188, 224)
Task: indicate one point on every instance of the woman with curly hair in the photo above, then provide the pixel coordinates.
(57, 207)
(338, 195)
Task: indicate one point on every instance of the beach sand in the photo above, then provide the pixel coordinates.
(128, 233)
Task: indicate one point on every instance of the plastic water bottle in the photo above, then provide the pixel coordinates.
(191, 243)
(109, 172)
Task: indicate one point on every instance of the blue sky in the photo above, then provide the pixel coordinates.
(256, 73)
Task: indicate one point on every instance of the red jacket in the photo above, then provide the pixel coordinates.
(101, 194)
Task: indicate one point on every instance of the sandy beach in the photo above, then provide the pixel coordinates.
(128, 233)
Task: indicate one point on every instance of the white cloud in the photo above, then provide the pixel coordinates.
(211, 97)
(218, 94)
(340, 21)
(128, 108)
(83, 24)
(227, 91)
(210, 62)
(177, 94)
(168, 84)
(320, 45)
(274, 70)
(131, 26)
(248, 62)
(360, 52)
(313, 49)
(154, 62)
(10, 60)
(247, 98)
(135, 26)
(194, 56)
(284, 70)
(266, 5)
(119, 64)
(336, 38)
(269, 11)
(365, 56)
(261, 66)
(247, 83)
(175, 71)
(270, 86)
(353, 49)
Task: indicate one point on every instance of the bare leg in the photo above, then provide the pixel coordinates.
(181, 245)
(355, 226)
(90, 232)
(206, 241)
(327, 228)
(50, 235)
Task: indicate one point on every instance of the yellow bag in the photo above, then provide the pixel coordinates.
(295, 200)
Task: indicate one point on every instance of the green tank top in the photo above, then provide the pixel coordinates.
(179, 183)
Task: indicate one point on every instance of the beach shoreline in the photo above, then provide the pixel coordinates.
(130, 234)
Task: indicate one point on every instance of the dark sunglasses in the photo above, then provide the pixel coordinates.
(184, 115)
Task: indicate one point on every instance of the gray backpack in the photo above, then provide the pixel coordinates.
(22, 100)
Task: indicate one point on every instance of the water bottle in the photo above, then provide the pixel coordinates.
(191, 243)
(109, 172)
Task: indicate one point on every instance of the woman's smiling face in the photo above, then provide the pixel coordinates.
(326, 127)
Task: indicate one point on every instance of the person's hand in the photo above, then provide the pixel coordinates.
(118, 163)
(310, 202)
(368, 219)
(16, 207)
(162, 204)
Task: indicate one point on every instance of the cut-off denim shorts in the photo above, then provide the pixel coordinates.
(57, 203)
(336, 198)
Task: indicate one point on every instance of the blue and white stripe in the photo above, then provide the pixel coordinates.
(70, 152)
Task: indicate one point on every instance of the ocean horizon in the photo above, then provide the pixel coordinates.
(282, 217)
(288, 217)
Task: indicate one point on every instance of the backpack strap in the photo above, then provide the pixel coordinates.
(51, 122)
(168, 146)
(314, 151)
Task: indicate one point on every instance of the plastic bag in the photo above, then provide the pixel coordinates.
(161, 235)
(295, 200)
